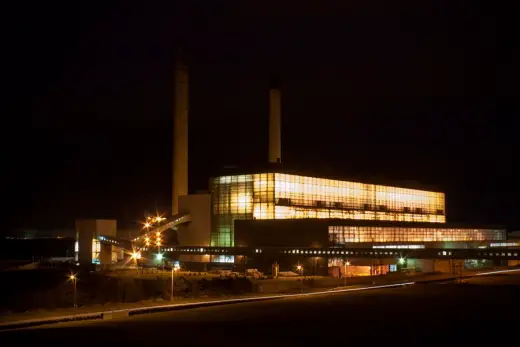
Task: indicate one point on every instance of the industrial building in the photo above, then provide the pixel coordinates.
(279, 208)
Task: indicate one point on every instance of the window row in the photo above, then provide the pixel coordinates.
(355, 234)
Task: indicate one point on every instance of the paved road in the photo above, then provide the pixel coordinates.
(434, 314)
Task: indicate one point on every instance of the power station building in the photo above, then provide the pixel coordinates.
(278, 208)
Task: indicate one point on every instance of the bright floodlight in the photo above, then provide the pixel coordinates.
(147, 225)
(158, 234)
(72, 277)
(347, 263)
(159, 256)
(401, 260)
(299, 267)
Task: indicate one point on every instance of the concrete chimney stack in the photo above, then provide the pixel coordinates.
(180, 133)
(275, 112)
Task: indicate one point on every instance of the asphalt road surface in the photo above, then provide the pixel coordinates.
(483, 312)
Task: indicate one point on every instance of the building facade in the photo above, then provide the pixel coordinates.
(88, 247)
(286, 196)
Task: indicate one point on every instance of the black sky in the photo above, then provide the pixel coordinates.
(418, 90)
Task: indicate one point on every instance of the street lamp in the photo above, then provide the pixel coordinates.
(174, 269)
(347, 264)
(300, 269)
(74, 279)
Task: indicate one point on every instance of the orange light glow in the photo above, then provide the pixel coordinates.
(283, 196)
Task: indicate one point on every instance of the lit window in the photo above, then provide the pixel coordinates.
(96, 249)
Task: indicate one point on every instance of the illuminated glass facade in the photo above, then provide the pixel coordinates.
(339, 235)
(96, 250)
(284, 196)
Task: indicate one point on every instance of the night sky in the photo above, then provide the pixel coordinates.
(418, 90)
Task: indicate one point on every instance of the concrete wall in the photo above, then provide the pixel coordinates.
(89, 229)
(106, 227)
(86, 230)
(197, 232)
(291, 233)
(105, 256)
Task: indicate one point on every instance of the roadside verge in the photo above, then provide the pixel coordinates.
(114, 314)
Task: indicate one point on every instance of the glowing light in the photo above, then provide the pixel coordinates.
(347, 263)
(147, 225)
(136, 255)
(241, 202)
(147, 239)
(347, 234)
(158, 234)
(497, 272)
(159, 256)
(72, 277)
(401, 260)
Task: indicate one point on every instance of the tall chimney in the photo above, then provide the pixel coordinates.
(275, 144)
(180, 133)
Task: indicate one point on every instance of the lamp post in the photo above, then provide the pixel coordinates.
(158, 241)
(174, 269)
(74, 279)
(300, 269)
(171, 289)
(158, 220)
(136, 256)
(147, 226)
(347, 264)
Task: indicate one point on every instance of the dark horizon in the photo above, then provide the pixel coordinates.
(405, 92)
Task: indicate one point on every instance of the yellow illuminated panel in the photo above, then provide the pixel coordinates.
(331, 198)
(354, 234)
(96, 249)
(283, 196)
(232, 199)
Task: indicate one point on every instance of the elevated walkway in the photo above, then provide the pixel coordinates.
(170, 223)
(173, 222)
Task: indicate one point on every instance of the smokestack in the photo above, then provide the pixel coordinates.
(180, 133)
(275, 144)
